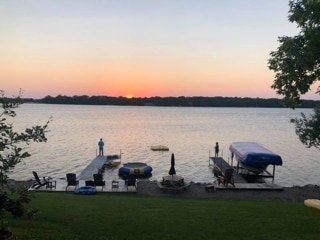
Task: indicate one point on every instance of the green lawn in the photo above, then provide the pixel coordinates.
(131, 216)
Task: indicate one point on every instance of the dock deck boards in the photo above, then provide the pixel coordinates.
(223, 165)
(111, 175)
(92, 168)
(251, 186)
(61, 184)
(240, 182)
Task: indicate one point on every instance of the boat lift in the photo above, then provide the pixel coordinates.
(222, 165)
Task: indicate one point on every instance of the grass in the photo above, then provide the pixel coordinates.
(131, 216)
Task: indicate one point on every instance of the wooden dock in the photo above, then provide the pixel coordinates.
(92, 168)
(96, 165)
(240, 182)
(251, 186)
(109, 176)
(222, 165)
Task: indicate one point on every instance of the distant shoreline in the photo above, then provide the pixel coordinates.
(171, 101)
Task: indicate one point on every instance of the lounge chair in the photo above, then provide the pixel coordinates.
(227, 178)
(72, 180)
(39, 183)
(98, 180)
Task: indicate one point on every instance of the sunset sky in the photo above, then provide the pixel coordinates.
(141, 48)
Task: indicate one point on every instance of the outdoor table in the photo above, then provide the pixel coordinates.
(209, 188)
(51, 184)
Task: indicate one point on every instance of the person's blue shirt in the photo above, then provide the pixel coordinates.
(101, 144)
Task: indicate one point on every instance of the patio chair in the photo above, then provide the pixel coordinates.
(227, 178)
(114, 184)
(72, 180)
(39, 183)
(98, 180)
(131, 181)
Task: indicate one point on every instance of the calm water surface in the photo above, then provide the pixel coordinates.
(190, 133)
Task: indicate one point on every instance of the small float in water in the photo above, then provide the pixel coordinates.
(159, 148)
(112, 164)
(137, 169)
(112, 161)
(113, 157)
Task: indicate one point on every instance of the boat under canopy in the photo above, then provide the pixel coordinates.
(253, 156)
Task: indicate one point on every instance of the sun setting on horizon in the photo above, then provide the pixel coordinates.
(141, 48)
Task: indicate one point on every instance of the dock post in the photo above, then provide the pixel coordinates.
(209, 157)
(238, 166)
(274, 170)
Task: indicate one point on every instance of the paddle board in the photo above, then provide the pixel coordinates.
(315, 203)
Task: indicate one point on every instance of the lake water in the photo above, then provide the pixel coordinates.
(190, 133)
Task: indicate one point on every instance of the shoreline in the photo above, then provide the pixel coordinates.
(197, 190)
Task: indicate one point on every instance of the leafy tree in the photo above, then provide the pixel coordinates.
(308, 130)
(297, 66)
(12, 153)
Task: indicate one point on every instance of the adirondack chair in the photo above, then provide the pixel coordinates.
(39, 183)
(227, 178)
(98, 180)
(72, 180)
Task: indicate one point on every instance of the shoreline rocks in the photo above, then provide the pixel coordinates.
(197, 190)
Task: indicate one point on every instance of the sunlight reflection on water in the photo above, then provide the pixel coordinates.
(189, 132)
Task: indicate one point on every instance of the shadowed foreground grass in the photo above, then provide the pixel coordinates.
(130, 216)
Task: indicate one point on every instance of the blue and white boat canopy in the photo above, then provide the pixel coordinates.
(252, 153)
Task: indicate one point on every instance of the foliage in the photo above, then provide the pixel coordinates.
(308, 129)
(297, 65)
(297, 60)
(12, 153)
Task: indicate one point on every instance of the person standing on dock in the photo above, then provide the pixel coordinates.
(101, 144)
(216, 150)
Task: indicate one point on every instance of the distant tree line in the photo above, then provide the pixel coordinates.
(171, 101)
